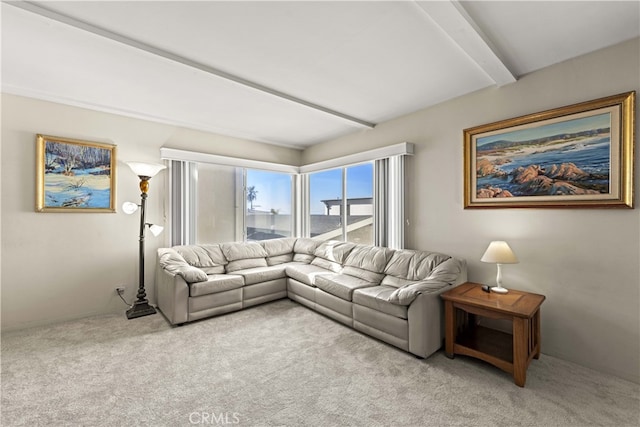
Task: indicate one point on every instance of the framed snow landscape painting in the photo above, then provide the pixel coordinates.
(74, 176)
(575, 156)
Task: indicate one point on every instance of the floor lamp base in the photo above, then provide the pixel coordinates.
(139, 309)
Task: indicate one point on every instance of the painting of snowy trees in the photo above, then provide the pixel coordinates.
(75, 175)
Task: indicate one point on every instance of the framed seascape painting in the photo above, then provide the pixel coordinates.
(75, 176)
(570, 157)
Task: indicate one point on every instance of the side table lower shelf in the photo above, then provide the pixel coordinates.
(490, 345)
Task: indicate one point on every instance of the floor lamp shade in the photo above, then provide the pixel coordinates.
(145, 169)
(499, 253)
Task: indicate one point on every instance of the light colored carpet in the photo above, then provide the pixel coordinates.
(280, 364)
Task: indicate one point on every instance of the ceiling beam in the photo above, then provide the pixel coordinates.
(59, 17)
(451, 17)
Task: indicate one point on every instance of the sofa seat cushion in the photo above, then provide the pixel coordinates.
(305, 273)
(261, 274)
(377, 298)
(341, 285)
(216, 283)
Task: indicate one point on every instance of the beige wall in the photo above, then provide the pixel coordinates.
(585, 261)
(58, 266)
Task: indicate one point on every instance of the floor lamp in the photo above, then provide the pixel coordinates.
(145, 172)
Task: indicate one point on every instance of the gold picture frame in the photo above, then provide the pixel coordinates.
(74, 175)
(578, 156)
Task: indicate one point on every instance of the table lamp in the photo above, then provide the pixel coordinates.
(499, 253)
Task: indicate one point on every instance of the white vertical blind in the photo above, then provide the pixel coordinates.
(183, 197)
(241, 205)
(302, 226)
(395, 203)
(389, 202)
(380, 187)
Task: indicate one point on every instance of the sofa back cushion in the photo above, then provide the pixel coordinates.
(413, 265)
(279, 251)
(243, 255)
(367, 262)
(208, 258)
(304, 249)
(331, 255)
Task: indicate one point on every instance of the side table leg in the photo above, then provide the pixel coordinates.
(449, 328)
(520, 350)
(537, 326)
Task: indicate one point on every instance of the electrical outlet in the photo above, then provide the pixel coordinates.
(120, 290)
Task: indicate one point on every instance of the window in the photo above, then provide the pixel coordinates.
(325, 201)
(269, 205)
(357, 198)
(360, 204)
(212, 203)
(336, 217)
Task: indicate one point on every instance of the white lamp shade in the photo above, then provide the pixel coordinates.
(499, 252)
(145, 169)
(155, 229)
(129, 207)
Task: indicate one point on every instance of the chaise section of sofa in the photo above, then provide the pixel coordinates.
(392, 295)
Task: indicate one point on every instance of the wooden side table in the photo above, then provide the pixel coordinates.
(510, 352)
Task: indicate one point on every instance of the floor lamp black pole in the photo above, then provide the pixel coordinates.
(141, 307)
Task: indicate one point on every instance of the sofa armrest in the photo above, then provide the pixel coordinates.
(172, 293)
(173, 263)
(445, 274)
(405, 295)
(172, 284)
(426, 322)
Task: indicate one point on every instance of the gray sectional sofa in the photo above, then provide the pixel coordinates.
(392, 295)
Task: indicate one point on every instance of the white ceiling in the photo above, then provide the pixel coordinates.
(290, 73)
